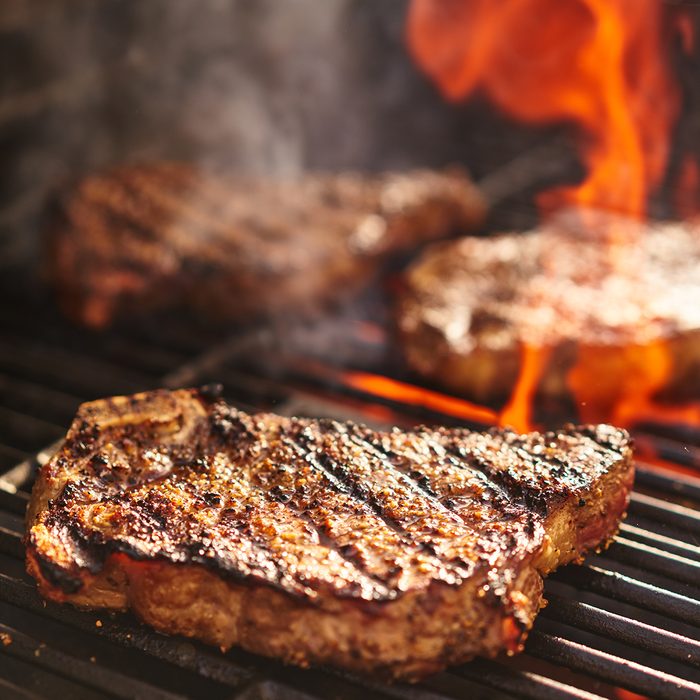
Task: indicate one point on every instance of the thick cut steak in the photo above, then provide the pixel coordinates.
(166, 235)
(613, 302)
(319, 542)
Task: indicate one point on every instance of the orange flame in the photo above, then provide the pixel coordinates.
(633, 375)
(599, 64)
(518, 412)
(401, 392)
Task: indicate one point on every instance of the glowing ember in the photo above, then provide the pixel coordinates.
(600, 64)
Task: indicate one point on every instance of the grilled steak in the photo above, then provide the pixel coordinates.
(469, 308)
(139, 238)
(395, 553)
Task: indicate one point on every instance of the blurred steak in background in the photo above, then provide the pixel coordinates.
(587, 313)
(167, 235)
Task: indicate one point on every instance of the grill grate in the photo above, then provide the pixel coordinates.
(628, 618)
(653, 657)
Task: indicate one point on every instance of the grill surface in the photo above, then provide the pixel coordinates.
(628, 618)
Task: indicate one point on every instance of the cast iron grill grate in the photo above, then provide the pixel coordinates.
(627, 619)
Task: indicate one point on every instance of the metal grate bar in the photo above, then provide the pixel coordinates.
(612, 669)
(684, 433)
(666, 512)
(16, 503)
(655, 539)
(11, 690)
(39, 682)
(665, 481)
(11, 527)
(173, 650)
(25, 432)
(100, 678)
(119, 350)
(59, 370)
(650, 558)
(628, 590)
(26, 395)
(522, 683)
(621, 628)
(9, 456)
(83, 647)
(155, 347)
(670, 450)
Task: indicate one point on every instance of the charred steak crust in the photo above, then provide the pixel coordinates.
(468, 307)
(163, 235)
(395, 553)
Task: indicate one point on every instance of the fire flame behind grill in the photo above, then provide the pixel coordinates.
(605, 67)
(403, 394)
(600, 64)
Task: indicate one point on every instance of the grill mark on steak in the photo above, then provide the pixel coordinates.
(151, 519)
(348, 553)
(117, 219)
(149, 215)
(357, 550)
(120, 206)
(550, 474)
(459, 488)
(423, 519)
(358, 577)
(303, 509)
(496, 478)
(330, 488)
(285, 571)
(438, 466)
(339, 474)
(143, 206)
(305, 439)
(416, 480)
(140, 252)
(342, 477)
(177, 207)
(471, 464)
(202, 213)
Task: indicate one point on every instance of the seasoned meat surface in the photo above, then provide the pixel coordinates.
(166, 235)
(604, 295)
(316, 541)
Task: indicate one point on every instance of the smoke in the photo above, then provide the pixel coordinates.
(265, 87)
